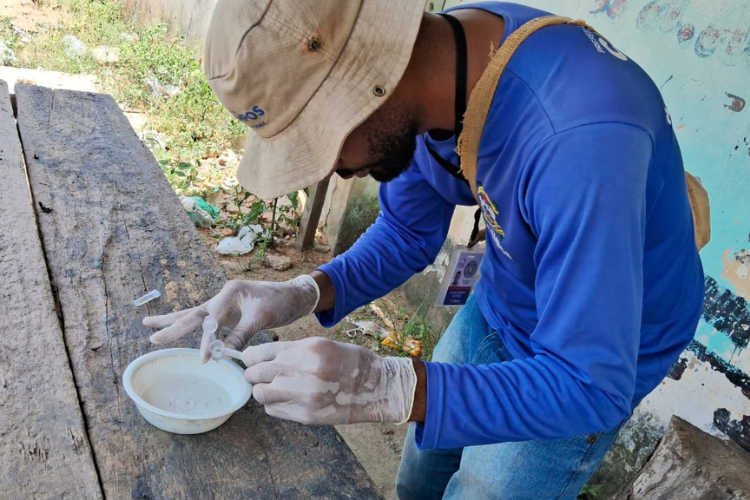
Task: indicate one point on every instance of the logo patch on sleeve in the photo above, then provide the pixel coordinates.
(489, 214)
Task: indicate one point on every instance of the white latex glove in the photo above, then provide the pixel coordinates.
(319, 381)
(244, 306)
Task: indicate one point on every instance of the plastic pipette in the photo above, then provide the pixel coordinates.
(210, 326)
(217, 348)
(153, 294)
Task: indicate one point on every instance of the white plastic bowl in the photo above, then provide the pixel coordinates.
(176, 393)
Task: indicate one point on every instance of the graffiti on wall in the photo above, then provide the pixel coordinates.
(613, 8)
(737, 105)
(729, 315)
(732, 44)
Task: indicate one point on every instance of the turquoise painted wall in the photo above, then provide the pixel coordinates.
(698, 53)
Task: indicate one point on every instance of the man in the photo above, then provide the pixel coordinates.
(591, 285)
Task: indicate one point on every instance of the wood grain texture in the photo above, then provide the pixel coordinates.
(311, 216)
(44, 450)
(117, 230)
(690, 463)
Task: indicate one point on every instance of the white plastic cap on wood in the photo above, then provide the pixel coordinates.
(152, 295)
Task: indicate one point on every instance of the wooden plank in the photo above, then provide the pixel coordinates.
(311, 216)
(44, 449)
(115, 231)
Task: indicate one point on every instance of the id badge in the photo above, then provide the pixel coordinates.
(462, 274)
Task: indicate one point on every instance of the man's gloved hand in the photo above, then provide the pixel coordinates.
(319, 381)
(244, 306)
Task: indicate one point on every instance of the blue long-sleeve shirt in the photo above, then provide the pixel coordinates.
(591, 278)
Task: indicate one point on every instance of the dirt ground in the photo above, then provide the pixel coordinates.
(28, 15)
(377, 446)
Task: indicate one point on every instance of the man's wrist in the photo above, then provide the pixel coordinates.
(327, 300)
(419, 407)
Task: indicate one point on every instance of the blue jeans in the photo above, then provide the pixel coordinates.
(530, 470)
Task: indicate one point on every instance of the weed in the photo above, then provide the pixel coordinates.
(163, 78)
(9, 36)
(288, 214)
(159, 76)
(265, 241)
(240, 198)
(182, 175)
(415, 326)
(92, 22)
(589, 492)
(409, 325)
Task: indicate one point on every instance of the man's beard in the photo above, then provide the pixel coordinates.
(392, 140)
(394, 155)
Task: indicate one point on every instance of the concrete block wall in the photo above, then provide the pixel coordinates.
(351, 207)
(188, 18)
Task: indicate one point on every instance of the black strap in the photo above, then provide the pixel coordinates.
(462, 76)
(475, 236)
(462, 73)
(447, 166)
(460, 96)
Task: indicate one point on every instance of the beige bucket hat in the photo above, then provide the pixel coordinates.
(302, 74)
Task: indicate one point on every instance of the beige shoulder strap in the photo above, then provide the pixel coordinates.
(701, 211)
(481, 97)
(481, 100)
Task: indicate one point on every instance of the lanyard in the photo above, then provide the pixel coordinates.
(462, 73)
(460, 96)
(459, 109)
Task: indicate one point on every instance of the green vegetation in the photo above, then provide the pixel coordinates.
(589, 492)
(415, 326)
(195, 123)
(8, 35)
(158, 76)
(386, 314)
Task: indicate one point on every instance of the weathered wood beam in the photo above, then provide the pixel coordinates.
(44, 447)
(311, 215)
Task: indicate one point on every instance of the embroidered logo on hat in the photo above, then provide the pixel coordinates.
(250, 116)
